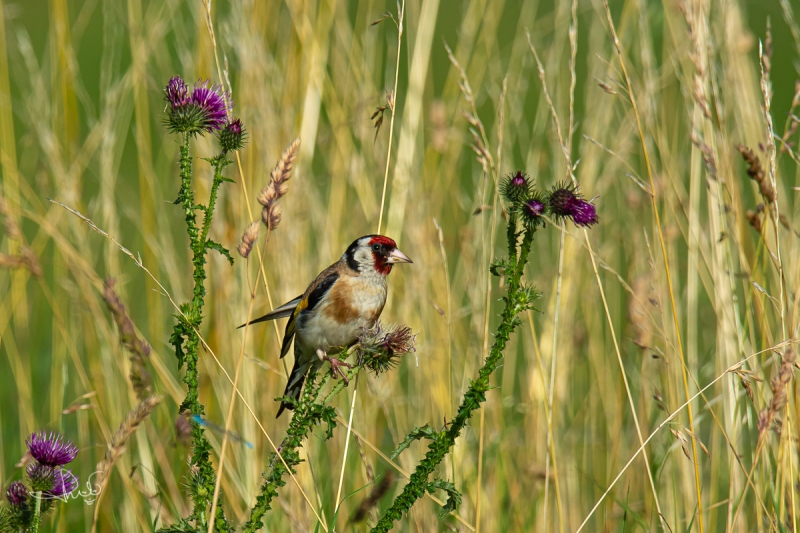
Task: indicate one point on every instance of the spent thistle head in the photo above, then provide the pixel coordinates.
(51, 448)
(381, 347)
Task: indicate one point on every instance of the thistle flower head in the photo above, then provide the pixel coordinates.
(381, 347)
(565, 201)
(214, 103)
(533, 209)
(51, 448)
(232, 136)
(515, 187)
(64, 482)
(204, 110)
(176, 92)
(17, 493)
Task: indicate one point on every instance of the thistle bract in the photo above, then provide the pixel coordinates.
(40, 476)
(533, 210)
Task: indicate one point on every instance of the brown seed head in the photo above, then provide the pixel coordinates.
(754, 219)
(248, 239)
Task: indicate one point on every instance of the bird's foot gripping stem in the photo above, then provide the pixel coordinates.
(336, 365)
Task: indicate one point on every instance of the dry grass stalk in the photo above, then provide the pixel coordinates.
(778, 384)
(277, 186)
(248, 239)
(138, 348)
(756, 172)
(793, 121)
(638, 315)
(26, 258)
(117, 445)
(754, 217)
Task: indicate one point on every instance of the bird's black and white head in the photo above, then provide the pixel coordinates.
(374, 253)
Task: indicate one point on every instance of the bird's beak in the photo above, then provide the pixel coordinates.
(396, 256)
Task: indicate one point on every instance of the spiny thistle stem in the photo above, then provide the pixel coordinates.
(37, 513)
(306, 415)
(203, 477)
(517, 300)
(378, 350)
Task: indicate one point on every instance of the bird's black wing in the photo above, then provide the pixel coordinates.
(279, 312)
(315, 292)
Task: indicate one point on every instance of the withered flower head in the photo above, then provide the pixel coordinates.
(381, 347)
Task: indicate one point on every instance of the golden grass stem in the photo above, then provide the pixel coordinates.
(177, 308)
(212, 35)
(486, 310)
(550, 393)
(666, 421)
(597, 278)
(232, 399)
(393, 96)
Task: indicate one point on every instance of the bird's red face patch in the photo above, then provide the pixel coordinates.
(381, 247)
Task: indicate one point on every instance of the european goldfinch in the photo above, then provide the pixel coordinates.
(344, 299)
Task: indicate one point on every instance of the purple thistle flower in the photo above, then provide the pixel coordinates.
(64, 482)
(212, 101)
(51, 449)
(17, 493)
(584, 214)
(176, 92)
(534, 208)
(565, 201)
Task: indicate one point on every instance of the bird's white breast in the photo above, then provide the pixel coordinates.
(343, 313)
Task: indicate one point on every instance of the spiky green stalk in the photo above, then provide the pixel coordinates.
(186, 339)
(517, 300)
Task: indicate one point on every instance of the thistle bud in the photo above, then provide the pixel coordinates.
(232, 136)
(515, 187)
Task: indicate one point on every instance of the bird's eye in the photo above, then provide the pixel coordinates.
(376, 247)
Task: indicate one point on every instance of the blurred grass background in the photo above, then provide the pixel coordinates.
(80, 108)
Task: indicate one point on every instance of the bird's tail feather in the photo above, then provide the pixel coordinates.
(295, 385)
